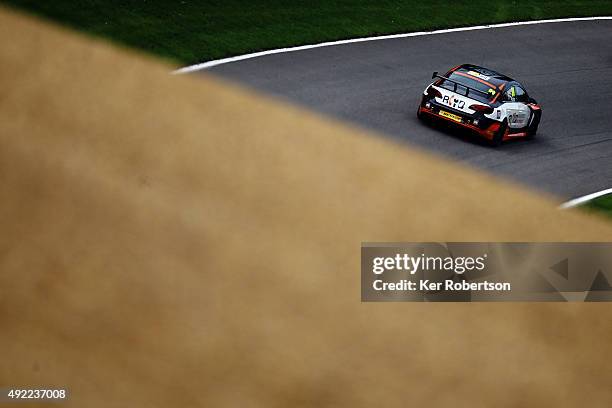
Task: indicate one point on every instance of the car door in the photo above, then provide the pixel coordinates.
(515, 108)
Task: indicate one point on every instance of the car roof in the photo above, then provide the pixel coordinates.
(494, 77)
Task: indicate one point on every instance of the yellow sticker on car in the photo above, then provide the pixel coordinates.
(479, 75)
(451, 116)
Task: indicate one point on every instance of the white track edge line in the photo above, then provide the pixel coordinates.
(209, 64)
(581, 200)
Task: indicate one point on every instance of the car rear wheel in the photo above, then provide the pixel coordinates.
(421, 117)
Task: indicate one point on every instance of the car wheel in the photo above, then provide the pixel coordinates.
(499, 136)
(423, 118)
(531, 132)
(533, 129)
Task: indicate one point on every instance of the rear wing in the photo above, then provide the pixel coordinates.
(468, 88)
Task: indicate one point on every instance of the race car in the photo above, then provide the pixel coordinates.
(483, 101)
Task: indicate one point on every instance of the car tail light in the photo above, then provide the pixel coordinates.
(482, 108)
(433, 92)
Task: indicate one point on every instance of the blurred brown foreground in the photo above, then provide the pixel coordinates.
(169, 241)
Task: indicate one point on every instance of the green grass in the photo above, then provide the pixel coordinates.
(602, 204)
(189, 31)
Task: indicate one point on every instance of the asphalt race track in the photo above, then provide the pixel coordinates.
(566, 66)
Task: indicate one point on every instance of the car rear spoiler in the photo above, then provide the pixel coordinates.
(468, 88)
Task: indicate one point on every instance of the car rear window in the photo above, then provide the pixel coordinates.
(474, 83)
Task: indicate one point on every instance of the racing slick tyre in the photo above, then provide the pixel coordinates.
(423, 118)
(535, 122)
(531, 132)
(499, 136)
(420, 116)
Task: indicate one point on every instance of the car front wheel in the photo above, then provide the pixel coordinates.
(499, 135)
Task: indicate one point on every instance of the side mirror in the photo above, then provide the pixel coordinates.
(435, 74)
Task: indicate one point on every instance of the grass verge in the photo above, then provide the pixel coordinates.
(188, 31)
(602, 204)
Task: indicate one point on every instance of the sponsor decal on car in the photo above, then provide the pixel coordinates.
(479, 75)
(453, 102)
(517, 116)
(451, 116)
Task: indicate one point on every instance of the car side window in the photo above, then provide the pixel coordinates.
(515, 93)
(521, 95)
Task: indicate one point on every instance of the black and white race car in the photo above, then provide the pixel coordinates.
(484, 101)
